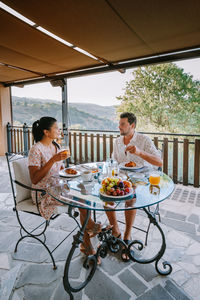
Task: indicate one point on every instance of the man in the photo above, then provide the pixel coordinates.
(136, 147)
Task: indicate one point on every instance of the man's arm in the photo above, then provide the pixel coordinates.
(151, 158)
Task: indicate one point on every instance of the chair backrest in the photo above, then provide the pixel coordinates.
(21, 173)
(19, 162)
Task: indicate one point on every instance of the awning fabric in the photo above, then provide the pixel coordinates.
(113, 30)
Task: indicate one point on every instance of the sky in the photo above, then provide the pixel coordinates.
(99, 89)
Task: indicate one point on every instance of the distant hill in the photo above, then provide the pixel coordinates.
(82, 116)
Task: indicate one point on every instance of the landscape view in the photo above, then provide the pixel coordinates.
(81, 115)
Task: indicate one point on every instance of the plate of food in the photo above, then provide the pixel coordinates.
(115, 188)
(131, 165)
(69, 172)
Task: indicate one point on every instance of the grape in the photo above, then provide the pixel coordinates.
(121, 184)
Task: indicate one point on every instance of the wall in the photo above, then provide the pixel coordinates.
(5, 117)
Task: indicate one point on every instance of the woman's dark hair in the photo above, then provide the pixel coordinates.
(130, 116)
(39, 126)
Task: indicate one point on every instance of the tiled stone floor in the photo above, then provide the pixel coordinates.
(28, 274)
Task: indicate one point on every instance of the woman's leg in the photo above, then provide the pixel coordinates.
(92, 227)
(129, 218)
(113, 221)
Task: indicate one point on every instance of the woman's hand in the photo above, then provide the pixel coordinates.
(59, 156)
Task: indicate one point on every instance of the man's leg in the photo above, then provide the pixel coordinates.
(113, 221)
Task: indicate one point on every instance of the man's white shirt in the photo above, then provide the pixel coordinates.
(139, 140)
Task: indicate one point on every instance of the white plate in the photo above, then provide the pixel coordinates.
(138, 167)
(136, 175)
(64, 174)
(116, 197)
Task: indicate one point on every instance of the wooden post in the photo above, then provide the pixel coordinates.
(80, 147)
(75, 154)
(86, 147)
(156, 141)
(104, 147)
(165, 155)
(185, 161)
(111, 145)
(92, 147)
(196, 163)
(98, 147)
(175, 160)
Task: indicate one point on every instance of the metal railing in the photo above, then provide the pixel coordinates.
(181, 152)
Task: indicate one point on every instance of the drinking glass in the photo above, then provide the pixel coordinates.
(115, 170)
(65, 148)
(154, 178)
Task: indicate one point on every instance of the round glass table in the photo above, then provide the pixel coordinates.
(75, 193)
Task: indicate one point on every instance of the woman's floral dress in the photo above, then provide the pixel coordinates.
(39, 155)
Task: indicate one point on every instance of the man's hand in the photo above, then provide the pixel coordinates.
(133, 150)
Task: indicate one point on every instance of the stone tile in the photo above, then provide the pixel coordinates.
(175, 291)
(111, 265)
(194, 249)
(103, 287)
(172, 215)
(180, 277)
(32, 292)
(7, 243)
(4, 261)
(194, 237)
(196, 260)
(179, 225)
(61, 294)
(132, 282)
(174, 254)
(178, 238)
(39, 274)
(192, 287)
(189, 267)
(18, 295)
(193, 218)
(8, 282)
(148, 272)
(31, 252)
(156, 293)
(6, 213)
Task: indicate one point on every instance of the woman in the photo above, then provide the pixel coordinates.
(45, 160)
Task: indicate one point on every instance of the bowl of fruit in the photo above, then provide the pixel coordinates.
(117, 188)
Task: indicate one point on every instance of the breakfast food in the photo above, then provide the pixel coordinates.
(130, 164)
(115, 187)
(71, 171)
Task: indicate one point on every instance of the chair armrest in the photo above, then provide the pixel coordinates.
(30, 188)
(43, 192)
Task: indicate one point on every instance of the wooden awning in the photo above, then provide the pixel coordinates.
(114, 31)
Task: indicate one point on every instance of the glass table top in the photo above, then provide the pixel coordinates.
(77, 193)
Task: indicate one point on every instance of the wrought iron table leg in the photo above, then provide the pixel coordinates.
(158, 256)
(78, 238)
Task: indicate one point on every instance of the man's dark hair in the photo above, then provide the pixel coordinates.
(130, 116)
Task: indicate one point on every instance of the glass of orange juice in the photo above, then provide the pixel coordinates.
(66, 150)
(154, 178)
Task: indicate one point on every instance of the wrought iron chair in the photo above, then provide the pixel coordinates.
(21, 190)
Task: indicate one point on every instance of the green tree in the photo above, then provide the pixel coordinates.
(164, 96)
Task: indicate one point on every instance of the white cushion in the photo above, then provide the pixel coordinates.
(21, 172)
(27, 205)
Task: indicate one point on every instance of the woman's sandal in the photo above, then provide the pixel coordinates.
(94, 230)
(89, 250)
(125, 258)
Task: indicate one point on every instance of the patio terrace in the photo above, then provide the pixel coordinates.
(28, 274)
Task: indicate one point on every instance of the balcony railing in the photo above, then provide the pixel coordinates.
(181, 152)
